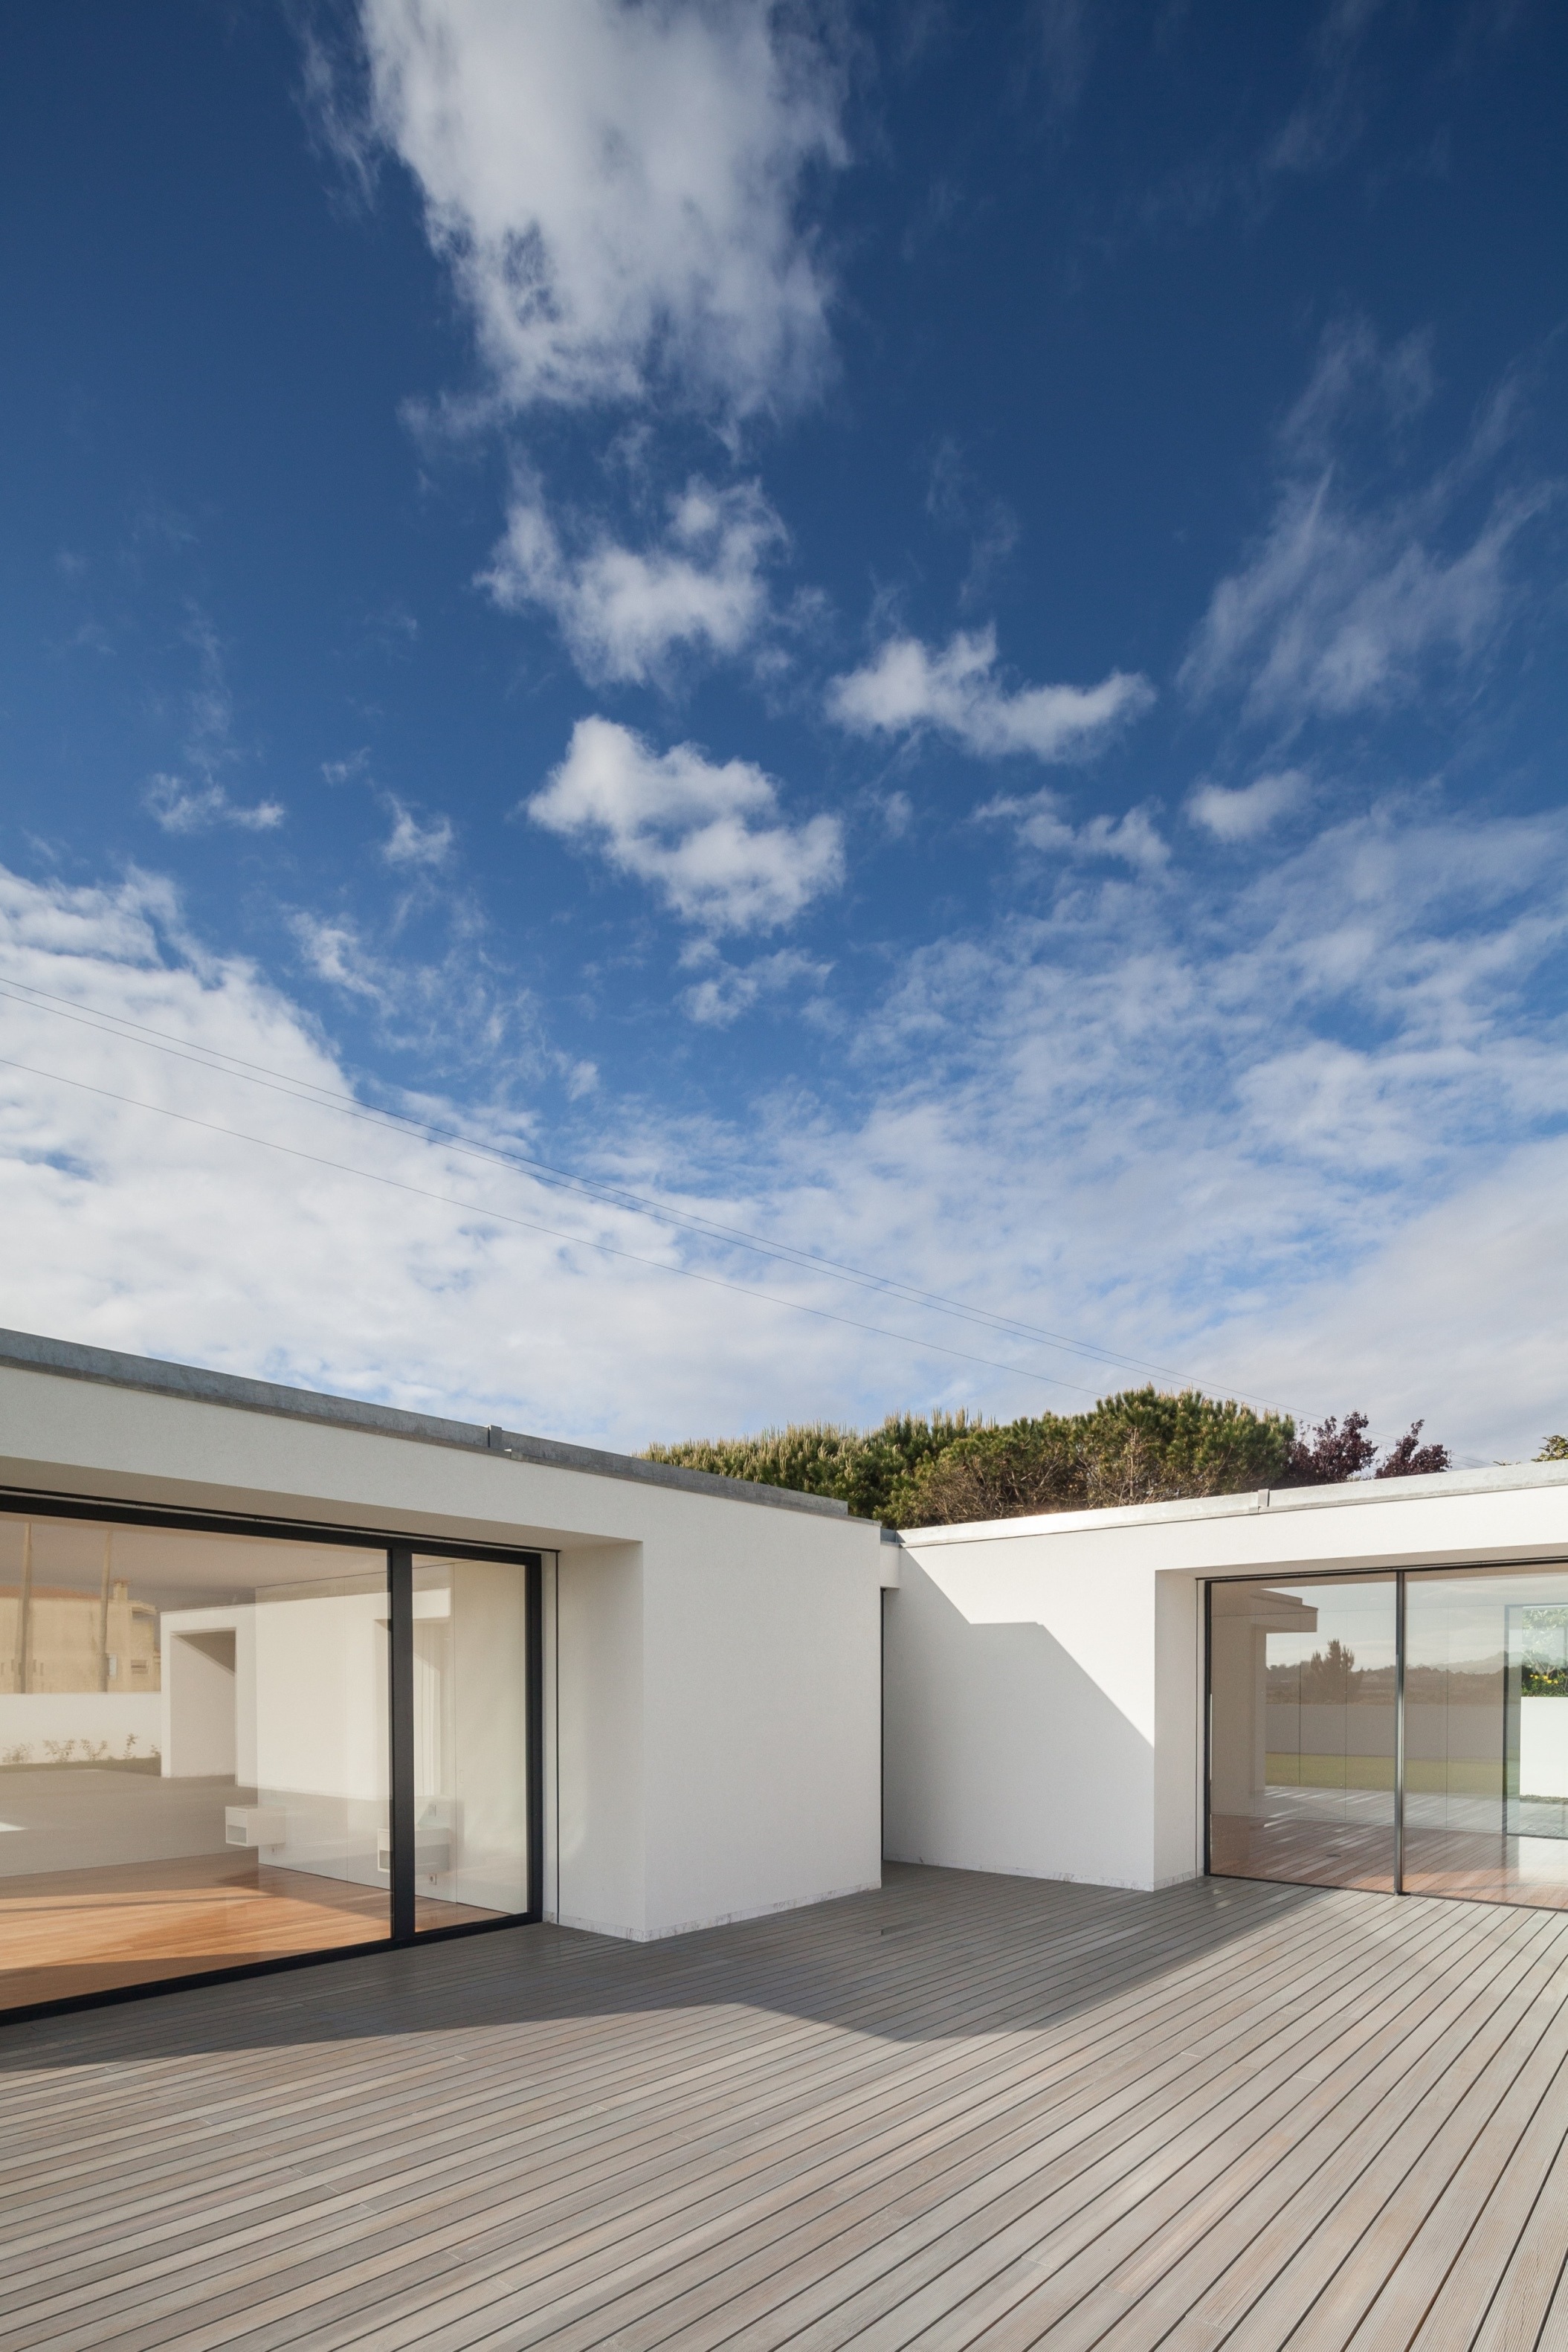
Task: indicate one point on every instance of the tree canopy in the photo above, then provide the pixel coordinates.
(1143, 1446)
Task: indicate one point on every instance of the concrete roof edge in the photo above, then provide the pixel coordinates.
(1502, 1477)
(31, 1352)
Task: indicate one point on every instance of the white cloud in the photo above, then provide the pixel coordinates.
(1356, 375)
(195, 802)
(1337, 611)
(1343, 604)
(622, 610)
(413, 844)
(907, 686)
(1134, 837)
(1303, 1134)
(182, 807)
(148, 1228)
(701, 832)
(459, 1006)
(727, 990)
(348, 769)
(616, 187)
(1243, 811)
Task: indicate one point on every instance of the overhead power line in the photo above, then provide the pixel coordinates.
(532, 1224)
(604, 1193)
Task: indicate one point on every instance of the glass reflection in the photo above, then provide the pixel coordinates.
(1301, 1731)
(470, 1749)
(1486, 1735)
(194, 1753)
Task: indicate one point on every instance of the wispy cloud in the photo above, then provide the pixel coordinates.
(955, 498)
(726, 991)
(700, 583)
(415, 845)
(705, 835)
(186, 804)
(199, 798)
(1040, 821)
(1246, 811)
(956, 692)
(1345, 602)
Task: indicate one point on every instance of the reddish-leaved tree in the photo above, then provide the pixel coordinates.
(1329, 1454)
(1411, 1458)
(1336, 1451)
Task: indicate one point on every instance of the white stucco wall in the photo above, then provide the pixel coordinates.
(713, 1744)
(1043, 1694)
(760, 1711)
(598, 1665)
(1025, 1701)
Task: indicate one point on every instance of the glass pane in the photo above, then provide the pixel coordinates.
(1301, 1731)
(194, 1767)
(1486, 1735)
(470, 1741)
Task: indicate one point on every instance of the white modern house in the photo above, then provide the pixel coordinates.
(284, 1674)
(413, 1676)
(1132, 1697)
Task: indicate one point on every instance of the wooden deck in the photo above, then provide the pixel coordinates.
(965, 2111)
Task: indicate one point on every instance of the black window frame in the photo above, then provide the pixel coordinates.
(401, 1549)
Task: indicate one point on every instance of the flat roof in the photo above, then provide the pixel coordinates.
(29, 1351)
(1498, 1477)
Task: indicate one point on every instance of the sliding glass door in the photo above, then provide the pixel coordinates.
(194, 1754)
(471, 1762)
(1405, 1732)
(1302, 1691)
(222, 1750)
(1486, 1715)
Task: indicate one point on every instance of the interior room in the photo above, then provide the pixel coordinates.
(195, 1752)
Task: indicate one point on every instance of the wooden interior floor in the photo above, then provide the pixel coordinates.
(1465, 1863)
(79, 1931)
(965, 2111)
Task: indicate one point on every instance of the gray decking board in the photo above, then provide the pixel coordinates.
(1451, 1916)
(217, 2207)
(962, 2111)
(475, 2110)
(468, 2101)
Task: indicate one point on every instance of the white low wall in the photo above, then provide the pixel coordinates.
(78, 1726)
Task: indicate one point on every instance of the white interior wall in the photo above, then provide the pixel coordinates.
(489, 1772)
(189, 1701)
(321, 1685)
(199, 1674)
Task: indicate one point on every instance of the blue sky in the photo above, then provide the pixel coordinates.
(931, 636)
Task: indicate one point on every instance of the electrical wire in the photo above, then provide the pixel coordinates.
(530, 1225)
(704, 1228)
